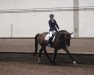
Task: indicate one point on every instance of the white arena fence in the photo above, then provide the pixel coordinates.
(26, 44)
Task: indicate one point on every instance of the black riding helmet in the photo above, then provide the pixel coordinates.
(51, 15)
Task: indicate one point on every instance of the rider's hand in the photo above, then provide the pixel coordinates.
(59, 29)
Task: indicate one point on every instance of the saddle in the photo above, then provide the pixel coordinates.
(50, 38)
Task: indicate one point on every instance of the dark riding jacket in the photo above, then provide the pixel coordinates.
(53, 25)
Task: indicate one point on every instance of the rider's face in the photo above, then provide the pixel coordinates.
(52, 17)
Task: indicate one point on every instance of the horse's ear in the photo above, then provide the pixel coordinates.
(71, 33)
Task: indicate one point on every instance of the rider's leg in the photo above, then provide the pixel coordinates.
(51, 33)
(51, 36)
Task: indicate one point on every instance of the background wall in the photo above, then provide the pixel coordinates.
(86, 18)
(28, 24)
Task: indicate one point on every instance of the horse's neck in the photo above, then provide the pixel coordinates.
(58, 37)
(63, 31)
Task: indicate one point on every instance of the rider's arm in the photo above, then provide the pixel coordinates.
(56, 24)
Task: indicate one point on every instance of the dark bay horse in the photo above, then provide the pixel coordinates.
(62, 41)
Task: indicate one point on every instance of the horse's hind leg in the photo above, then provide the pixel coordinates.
(55, 54)
(40, 52)
(74, 62)
(47, 54)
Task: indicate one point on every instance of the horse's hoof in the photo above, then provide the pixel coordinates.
(54, 63)
(74, 62)
(38, 60)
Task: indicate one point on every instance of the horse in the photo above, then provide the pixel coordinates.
(62, 41)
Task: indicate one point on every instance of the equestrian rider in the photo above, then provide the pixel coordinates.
(53, 24)
(53, 27)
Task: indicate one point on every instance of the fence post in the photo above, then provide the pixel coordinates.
(11, 30)
(76, 18)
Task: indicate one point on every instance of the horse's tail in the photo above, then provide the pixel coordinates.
(36, 44)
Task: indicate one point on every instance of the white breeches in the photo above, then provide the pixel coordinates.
(49, 35)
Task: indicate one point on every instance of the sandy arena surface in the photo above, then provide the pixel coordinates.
(29, 68)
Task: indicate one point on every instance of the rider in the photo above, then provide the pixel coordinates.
(53, 26)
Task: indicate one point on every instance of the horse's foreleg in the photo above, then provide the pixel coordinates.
(66, 49)
(47, 54)
(55, 54)
(40, 52)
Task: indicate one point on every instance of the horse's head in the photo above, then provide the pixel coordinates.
(66, 37)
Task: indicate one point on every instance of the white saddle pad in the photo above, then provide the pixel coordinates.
(49, 35)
